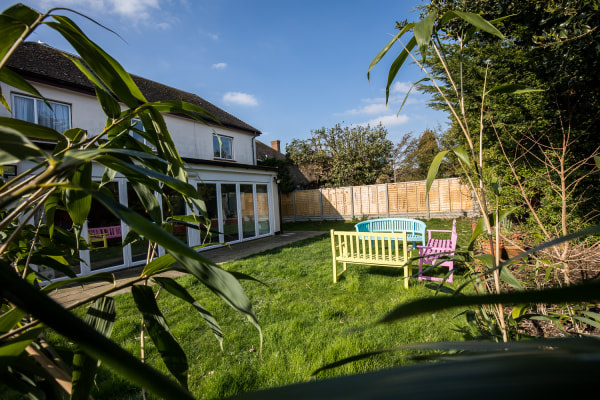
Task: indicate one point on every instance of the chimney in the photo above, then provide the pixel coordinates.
(276, 144)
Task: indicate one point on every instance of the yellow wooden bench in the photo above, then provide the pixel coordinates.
(384, 249)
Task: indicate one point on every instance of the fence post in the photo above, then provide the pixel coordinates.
(294, 204)
(321, 201)
(352, 201)
(387, 198)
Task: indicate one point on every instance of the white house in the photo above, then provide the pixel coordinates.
(241, 197)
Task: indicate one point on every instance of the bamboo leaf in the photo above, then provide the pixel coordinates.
(434, 167)
(15, 147)
(568, 294)
(170, 351)
(176, 289)
(96, 277)
(509, 278)
(13, 79)
(463, 155)
(17, 345)
(423, 31)
(397, 64)
(410, 90)
(79, 202)
(31, 130)
(479, 22)
(13, 23)
(388, 46)
(148, 200)
(10, 319)
(512, 88)
(100, 316)
(42, 307)
(108, 70)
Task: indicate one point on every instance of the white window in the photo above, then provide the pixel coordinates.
(57, 116)
(137, 126)
(222, 147)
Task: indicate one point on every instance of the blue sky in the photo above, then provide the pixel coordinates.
(284, 67)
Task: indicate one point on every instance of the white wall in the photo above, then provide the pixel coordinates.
(193, 139)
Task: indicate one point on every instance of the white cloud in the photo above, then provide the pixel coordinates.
(401, 87)
(220, 65)
(370, 109)
(389, 120)
(239, 98)
(134, 9)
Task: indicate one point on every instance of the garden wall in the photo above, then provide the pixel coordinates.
(448, 198)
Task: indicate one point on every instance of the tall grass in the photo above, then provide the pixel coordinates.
(307, 322)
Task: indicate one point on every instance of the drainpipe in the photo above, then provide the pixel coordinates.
(253, 149)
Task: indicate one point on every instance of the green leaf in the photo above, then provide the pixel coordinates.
(156, 325)
(388, 46)
(100, 316)
(176, 289)
(463, 155)
(31, 130)
(512, 88)
(479, 22)
(434, 167)
(10, 319)
(17, 345)
(44, 308)
(396, 65)
(410, 90)
(568, 294)
(78, 202)
(13, 23)
(148, 200)
(423, 31)
(106, 68)
(597, 160)
(13, 79)
(15, 147)
(96, 277)
(509, 278)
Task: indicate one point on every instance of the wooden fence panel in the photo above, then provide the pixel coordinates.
(446, 196)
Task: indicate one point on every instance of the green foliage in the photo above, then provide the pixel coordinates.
(286, 183)
(551, 46)
(345, 156)
(59, 177)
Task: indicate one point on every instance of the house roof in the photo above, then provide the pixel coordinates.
(42, 63)
(265, 151)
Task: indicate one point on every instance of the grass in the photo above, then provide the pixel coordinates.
(307, 321)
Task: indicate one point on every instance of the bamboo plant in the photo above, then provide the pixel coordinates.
(61, 178)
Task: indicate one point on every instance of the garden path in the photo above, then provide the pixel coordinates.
(69, 295)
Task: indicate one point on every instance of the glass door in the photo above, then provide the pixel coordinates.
(208, 193)
(229, 204)
(262, 208)
(248, 221)
(104, 233)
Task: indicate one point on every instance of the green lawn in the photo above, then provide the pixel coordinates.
(307, 321)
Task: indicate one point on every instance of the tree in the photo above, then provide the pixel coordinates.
(60, 180)
(345, 156)
(552, 46)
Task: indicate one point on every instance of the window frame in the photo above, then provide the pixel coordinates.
(220, 150)
(36, 115)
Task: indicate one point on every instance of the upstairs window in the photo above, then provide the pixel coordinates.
(223, 147)
(57, 116)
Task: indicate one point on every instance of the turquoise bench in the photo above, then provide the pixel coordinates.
(415, 229)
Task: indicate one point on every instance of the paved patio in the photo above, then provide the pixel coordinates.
(70, 295)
